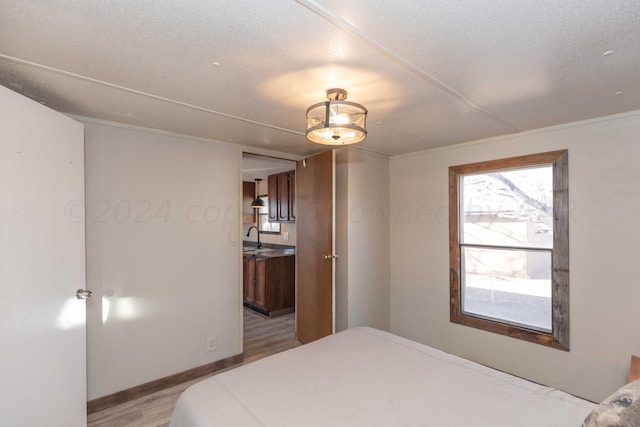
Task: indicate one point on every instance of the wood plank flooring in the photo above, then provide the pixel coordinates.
(263, 336)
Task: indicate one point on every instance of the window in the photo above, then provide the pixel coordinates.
(263, 219)
(509, 247)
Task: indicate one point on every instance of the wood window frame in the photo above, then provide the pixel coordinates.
(559, 336)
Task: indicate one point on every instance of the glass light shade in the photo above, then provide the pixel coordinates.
(336, 123)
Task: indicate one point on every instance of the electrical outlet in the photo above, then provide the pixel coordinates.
(285, 236)
(211, 344)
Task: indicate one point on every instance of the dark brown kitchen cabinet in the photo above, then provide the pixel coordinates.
(269, 284)
(283, 197)
(282, 193)
(261, 285)
(293, 208)
(272, 195)
(249, 279)
(248, 194)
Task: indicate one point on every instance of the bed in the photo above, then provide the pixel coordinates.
(367, 377)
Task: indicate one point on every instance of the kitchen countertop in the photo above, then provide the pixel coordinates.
(267, 252)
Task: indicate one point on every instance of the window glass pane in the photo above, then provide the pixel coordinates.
(508, 208)
(263, 218)
(513, 286)
(266, 226)
(265, 209)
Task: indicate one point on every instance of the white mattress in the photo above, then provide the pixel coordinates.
(366, 377)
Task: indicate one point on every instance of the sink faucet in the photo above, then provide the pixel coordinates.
(257, 231)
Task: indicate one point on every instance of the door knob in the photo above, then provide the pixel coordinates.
(83, 294)
(329, 256)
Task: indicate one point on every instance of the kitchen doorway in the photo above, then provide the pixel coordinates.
(269, 248)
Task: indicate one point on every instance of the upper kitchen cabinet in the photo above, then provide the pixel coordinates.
(282, 197)
(293, 208)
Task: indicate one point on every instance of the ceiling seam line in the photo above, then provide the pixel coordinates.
(373, 43)
(145, 94)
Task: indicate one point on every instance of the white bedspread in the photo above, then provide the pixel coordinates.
(366, 377)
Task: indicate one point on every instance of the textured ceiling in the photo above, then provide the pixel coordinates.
(431, 73)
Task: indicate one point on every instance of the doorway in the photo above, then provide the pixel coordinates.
(269, 247)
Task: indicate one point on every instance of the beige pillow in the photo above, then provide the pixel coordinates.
(621, 409)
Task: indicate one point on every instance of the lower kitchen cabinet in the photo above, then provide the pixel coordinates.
(249, 279)
(269, 283)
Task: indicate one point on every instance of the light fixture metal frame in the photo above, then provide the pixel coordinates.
(337, 98)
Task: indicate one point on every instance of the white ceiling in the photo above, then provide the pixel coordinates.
(430, 72)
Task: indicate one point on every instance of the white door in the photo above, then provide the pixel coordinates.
(42, 324)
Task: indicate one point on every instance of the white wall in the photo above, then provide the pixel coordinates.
(362, 239)
(160, 212)
(604, 190)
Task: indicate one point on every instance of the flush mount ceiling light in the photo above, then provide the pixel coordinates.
(336, 121)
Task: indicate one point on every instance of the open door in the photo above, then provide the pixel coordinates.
(315, 247)
(42, 264)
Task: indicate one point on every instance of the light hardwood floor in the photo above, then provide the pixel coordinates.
(263, 336)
